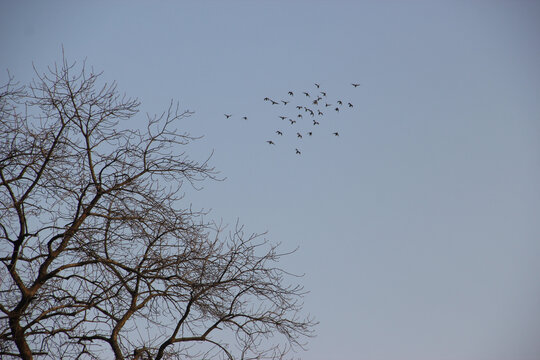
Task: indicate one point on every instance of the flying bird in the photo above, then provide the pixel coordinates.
(298, 152)
(336, 133)
(299, 135)
(266, 99)
(282, 117)
(323, 93)
(339, 102)
(292, 121)
(291, 93)
(279, 133)
(244, 117)
(355, 85)
(298, 107)
(227, 115)
(315, 122)
(350, 105)
(320, 112)
(327, 105)
(337, 109)
(274, 102)
(316, 102)
(285, 102)
(271, 142)
(305, 93)
(310, 133)
(317, 85)
(299, 115)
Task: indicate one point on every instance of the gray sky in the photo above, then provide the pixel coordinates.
(418, 227)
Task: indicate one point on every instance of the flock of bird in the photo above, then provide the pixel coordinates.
(309, 109)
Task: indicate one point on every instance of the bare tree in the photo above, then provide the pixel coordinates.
(100, 259)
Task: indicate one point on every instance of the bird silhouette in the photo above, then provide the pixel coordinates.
(299, 115)
(315, 102)
(282, 117)
(285, 102)
(319, 112)
(298, 152)
(340, 102)
(244, 117)
(350, 105)
(270, 142)
(311, 113)
(310, 133)
(327, 105)
(291, 93)
(299, 135)
(337, 109)
(266, 99)
(305, 93)
(336, 133)
(279, 133)
(292, 121)
(323, 93)
(317, 85)
(355, 85)
(315, 122)
(274, 102)
(298, 107)
(227, 115)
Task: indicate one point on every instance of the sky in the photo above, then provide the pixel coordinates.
(418, 227)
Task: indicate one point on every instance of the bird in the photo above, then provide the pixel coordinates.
(285, 102)
(227, 115)
(282, 117)
(299, 135)
(298, 107)
(274, 102)
(266, 99)
(315, 102)
(339, 102)
(350, 105)
(320, 112)
(307, 94)
(244, 117)
(315, 122)
(310, 133)
(279, 133)
(270, 142)
(323, 93)
(299, 115)
(292, 121)
(336, 133)
(355, 85)
(327, 105)
(291, 93)
(298, 152)
(311, 113)
(337, 109)
(317, 85)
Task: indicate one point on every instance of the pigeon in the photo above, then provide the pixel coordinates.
(315, 102)
(337, 109)
(274, 102)
(299, 115)
(307, 94)
(279, 133)
(291, 93)
(320, 112)
(310, 133)
(350, 105)
(355, 85)
(323, 93)
(282, 117)
(327, 105)
(271, 142)
(336, 133)
(292, 121)
(298, 107)
(299, 135)
(266, 99)
(227, 115)
(244, 117)
(340, 102)
(315, 122)
(285, 102)
(298, 152)
(317, 85)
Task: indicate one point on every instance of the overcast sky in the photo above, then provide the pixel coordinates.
(418, 227)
